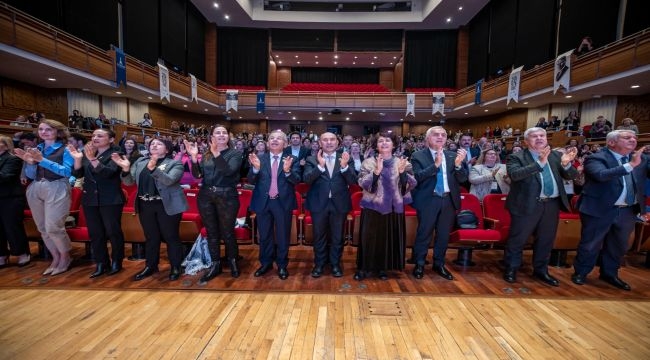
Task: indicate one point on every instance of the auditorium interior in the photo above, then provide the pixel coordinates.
(352, 67)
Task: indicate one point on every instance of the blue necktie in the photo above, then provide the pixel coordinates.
(629, 185)
(547, 176)
(440, 184)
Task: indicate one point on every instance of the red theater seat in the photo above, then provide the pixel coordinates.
(466, 240)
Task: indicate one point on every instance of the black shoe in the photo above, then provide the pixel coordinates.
(234, 268)
(99, 270)
(337, 271)
(317, 271)
(283, 274)
(510, 275)
(418, 271)
(116, 266)
(359, 275)
(145, 273)
(546, 278)
(442, 271)
(382, 275)
(263, 270)
(578, 279)
(213, 271)
(174, 273)
(615, 281)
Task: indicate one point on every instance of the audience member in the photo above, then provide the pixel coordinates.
(146, 121)
(488, 176)
(586, 45)
(76, 121)
(628, 124)
(599, 128)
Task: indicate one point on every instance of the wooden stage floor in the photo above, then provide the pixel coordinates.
(476, 316)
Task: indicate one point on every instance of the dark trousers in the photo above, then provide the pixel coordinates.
(328, 222)
(105, 222)
(218, 211)
(12, 229)
(609, 234)
(158, 226)
(274, 244)
(543, 224)
(439, 216)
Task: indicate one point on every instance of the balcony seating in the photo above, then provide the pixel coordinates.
(326, 87)
(430, 90)
(241, 87)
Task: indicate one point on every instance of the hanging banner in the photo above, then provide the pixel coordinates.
(478, 90)
(120, 67)
(513, 85)
(232, 97)
(163, 75)
(194, 96)
(261, 102)
(438, 103)
(562, 74)
(410, 104)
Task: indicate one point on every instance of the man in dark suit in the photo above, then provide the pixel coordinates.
(436, 198)
(471, 152)
(328, 200)
(273, 200)
(536, 195)
(296, 149)
(611, 198)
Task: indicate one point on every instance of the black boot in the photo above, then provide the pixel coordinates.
(99, 270)
(213, 271)
(174, 273)
(234, 268)
(116, 266)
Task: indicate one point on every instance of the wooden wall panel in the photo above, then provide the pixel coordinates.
(398, 77)
(163, 117)
(516, 118)
(637, 108)
(387, 78)
(211, 54)
(283, 77)
(24, 99)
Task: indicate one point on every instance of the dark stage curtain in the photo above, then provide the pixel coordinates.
(430, 58)
(242, 56)
(335, 75)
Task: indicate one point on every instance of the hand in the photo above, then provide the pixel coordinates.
(153, 160)
(320, 158)
(461, 155)
(568, 156)
(380, 165)
(402, 163)
(543, 155)
(35, 154)
(90, 151)
(121, 161)
(495, 172)
(255, 161)
(438, 160)
(24, 155)
(302, 162)
(345, 158)
(191, 148)
(76, 154)
(636, 158)
(288, 160)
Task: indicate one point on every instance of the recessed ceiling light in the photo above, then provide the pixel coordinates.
(51, 79)
(568, 96)
(466, 113)
(336, 56)
(316, 62)
(374, 57)
(215, 5)
(356, 57)
(184, 105)
(288, 112)
(280, 62)
(240, 117)
(149, 97)
(335, 63)
(293, 118)
(118, 92)
(372, 63)
(296, 56)
(486, 110)
(390, 63)
(401, 119)
(277, 56)
(460, 8)
(347, 119)
(85, 89)
(429, 120)
(363, 110)
(448, 19)
(525, 102)
(394, 57)
(354, 63)
(635, 86)
(320, 112)
(298, 63)
(205, 109)
(320, 118)
(227, 17)
(349, 113)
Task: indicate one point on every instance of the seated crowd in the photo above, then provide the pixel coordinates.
(426, 173)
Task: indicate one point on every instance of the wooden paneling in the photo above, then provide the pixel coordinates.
(387, 78)
(283, 77)
(163, 116)
(637, 108)
(398, 82)
(24, 99)
(211, 53)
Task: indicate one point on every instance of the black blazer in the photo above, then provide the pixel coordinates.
(604, 184)
(102, 185)
(526, 183)
(302, 154)
(321, 184)
(262, 182)
(10, 168)
(426, 172)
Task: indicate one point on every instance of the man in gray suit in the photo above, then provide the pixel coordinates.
(536, 195)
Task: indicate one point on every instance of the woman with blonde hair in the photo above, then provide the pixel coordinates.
(488, 176)
(50, 166)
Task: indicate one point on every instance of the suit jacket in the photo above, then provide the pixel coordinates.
(321, 184)
(102, 183)
(262, 182)
(426, 172)
(167, 176)
(604, 184)
(10, 169)
(526, 182)
(302, 154)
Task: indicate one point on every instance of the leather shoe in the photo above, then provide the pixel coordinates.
(359, 275)
(234, 268)
(99, 270)
(578, 279)
(546, 278)
(262, 270)
(510, 275)
(283, 274)
(145, 273)
(615, 281)
(418, 271)
(442, 271)
(337, 271)
(116, 266)
(317, 271)
(174, 273)
(213, 271)
(24, 260)
(382, 275)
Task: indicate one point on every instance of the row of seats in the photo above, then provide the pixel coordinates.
(335, 87)
(430, 90)
(241, 87)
